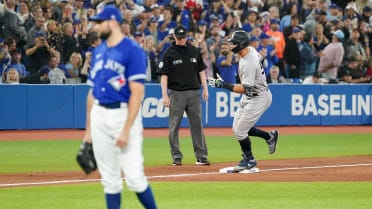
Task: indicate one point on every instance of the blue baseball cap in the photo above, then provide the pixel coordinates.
(137, 34)
(333, 6)
(109, 12)
(296, 30)
(202, 22)
(264, 36)
(274, 21)
(39, 33)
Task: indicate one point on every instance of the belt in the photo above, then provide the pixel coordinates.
(114, 105)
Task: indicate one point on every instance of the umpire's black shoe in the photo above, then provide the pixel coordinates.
(177, 162)
(202, 161)
(273, 141)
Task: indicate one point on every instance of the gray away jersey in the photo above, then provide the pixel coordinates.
(251, 72)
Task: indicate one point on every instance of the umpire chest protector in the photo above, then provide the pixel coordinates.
(182, 64)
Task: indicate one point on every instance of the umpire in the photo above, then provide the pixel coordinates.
(182, 75)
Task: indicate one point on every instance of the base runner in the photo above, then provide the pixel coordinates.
(256, 99)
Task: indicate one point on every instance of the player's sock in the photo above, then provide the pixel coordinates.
(113, 201)
(245, 145)
(147, 198)
(258, 132)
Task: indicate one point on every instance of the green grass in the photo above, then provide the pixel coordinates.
(224, 195)
(59, 155)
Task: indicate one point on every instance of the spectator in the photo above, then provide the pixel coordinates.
(93, 42)
(351, 12)
(125, 28)
(288, 31)
(331, 57)
(16, 64)
(214, 41)
(369, 67)
(182, 15)
(129, 20)
(366, 14)
(54, 35)
(139, 38)
(254, 42)
(274, 76)
(37, 28)
(285, 21)
(5, 59)
(292, 52)
(308, 56)
(202, 29)
(167, 23)
(365, 34)
(39, 53)
(278, 43)
(40, 77)
(354, 48)
(153, 30)
(333, 13)
(250, 21)
(73, 68)
(12, 76)
(80, 11)
(274, 12)
(268, 52)
(10, 26)
(320, 40)
(70, 43)
(29, 22)
(68, 14)
(152, 55)
(315, 78)
(230, 24)
(165, 43)
(156, 12)
(60, 65)
(357, 74)
(56, 75)
(24, 12)
(227, 64)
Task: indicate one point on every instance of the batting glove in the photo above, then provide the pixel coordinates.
(215, 82)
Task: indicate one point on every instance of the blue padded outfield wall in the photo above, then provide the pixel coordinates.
(63, 106)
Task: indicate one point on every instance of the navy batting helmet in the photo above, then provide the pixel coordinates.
(239, 38)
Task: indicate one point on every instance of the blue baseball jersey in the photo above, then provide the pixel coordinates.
(113, 67)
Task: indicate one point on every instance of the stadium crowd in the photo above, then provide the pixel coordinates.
(301, 41)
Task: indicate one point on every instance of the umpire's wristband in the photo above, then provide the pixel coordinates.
(228, 86)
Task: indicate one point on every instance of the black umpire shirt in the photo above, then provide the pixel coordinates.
(182, 65)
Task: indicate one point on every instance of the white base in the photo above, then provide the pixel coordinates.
(230, 170)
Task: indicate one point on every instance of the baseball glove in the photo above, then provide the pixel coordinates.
(85, 158)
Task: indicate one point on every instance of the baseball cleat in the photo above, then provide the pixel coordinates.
(203, 161)
(245, 164)
(177, 162)
(273, 141)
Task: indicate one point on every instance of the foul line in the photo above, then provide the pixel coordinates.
(180, 175)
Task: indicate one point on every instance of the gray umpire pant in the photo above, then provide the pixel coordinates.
(186, 101)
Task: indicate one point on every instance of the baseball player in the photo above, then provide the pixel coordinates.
(255, 100)
(114, 122)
